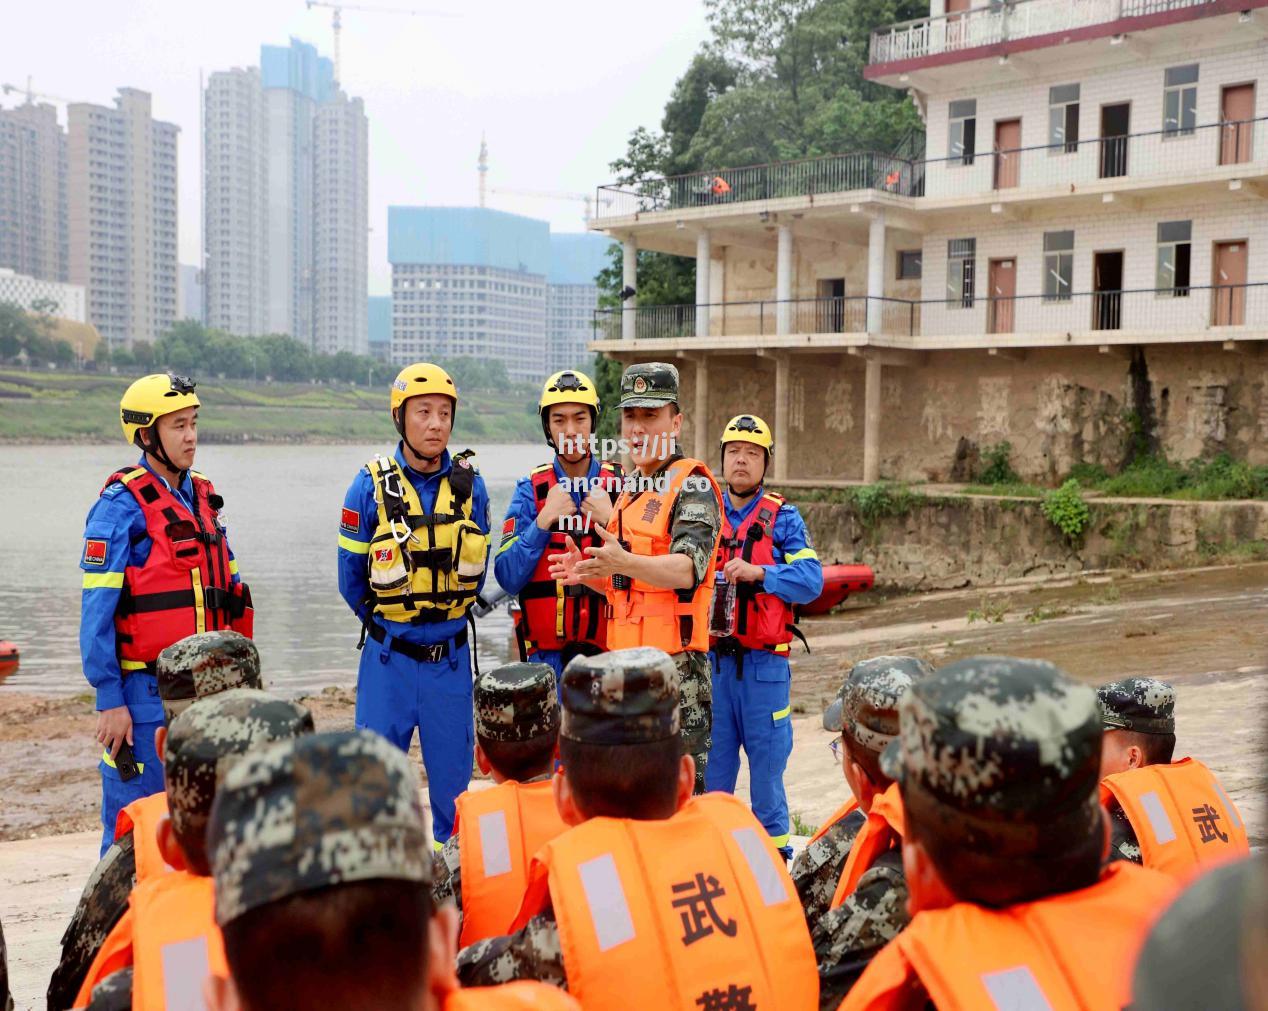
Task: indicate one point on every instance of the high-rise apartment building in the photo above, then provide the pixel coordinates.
(341, 218)
(121, 209)
(33, 192)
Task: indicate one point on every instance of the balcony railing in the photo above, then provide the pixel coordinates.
(1181, 310)
(1001, 21)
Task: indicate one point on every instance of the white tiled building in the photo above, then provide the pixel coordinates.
(1090, 216)
(69, 301)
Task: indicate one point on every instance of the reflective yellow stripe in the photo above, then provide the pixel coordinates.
(200, 613)
(780, 841)
(782, 647)
(559, 609)
(103, 580)
(132, 665)
(132, 475)
(233, 566)
(782, 713)
(507, 544)
(437, 846)
(356, 547)
(797, 556)
(105, 757)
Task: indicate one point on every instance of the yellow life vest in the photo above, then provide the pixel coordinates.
(423, 566)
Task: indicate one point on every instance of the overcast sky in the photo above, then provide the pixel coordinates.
(556, 85)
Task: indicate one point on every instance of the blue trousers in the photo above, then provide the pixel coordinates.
(553, 658)
(115, 793)
(395, 694)
(754, 714)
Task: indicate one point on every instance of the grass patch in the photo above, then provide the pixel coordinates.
(1013, 489)
(1234, 551)
(1221, 477)
(1045, 612)
(991, 612)
(802, 827)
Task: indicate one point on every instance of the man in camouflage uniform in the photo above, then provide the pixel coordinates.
(517, 730)
(998, 761)
(322, 867)
(865, 714)
(196, 667)
(651, 423)
(201, 743)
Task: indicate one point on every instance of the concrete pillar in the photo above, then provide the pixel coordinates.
(783, 281)
(783, 446)
(872, 422)
(629, 279)
(704, 256)
(700, 412)
(875, 272)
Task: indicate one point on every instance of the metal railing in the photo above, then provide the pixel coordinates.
(1186, 309)
(1001, 21)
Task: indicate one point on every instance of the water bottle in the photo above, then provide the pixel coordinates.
(722, 613)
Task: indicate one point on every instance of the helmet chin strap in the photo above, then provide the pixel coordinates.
(400, 428)
(158, 451)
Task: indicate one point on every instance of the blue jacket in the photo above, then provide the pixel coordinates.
(116, 518)
(798, 578)
(523, 541)
(355, 536)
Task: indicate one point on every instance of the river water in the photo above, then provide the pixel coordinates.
(282, 510)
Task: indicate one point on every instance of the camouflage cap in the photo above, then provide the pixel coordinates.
(204, 664)
(649, 384)
(323, 809)
(1001, 752)
(1145, 705)
(209, 736)
(866, 707)
(516, 702)
(626, 696)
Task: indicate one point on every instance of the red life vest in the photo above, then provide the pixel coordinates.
(554, 615)
(184, 586)
(762, 620)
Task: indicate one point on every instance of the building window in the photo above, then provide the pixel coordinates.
(909, 264)
(1180, 101)
(1058, 265)
(960, 253)
(963, 139)
(1063, 119)
(1175, 252)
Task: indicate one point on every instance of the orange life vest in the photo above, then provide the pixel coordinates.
(646, 615)
(1182, 817)
(882, 831)
(762, 620)
(185, 584)
(554, 615)
(176, 942)
(841, 812)
(141, 818)
(522, 995)
(499, 830)
(676, 913)
(1068, 952)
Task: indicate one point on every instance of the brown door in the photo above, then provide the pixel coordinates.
(957, 29)
(1228, 284)
(1237, 113)
(1003, 282)
(1007, 153)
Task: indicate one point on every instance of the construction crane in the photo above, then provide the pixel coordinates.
(336, 20)
(581, 198)
(31, 94)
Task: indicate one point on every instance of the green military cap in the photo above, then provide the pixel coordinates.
(649, 384)
(516, 702)
(319, 810)
(1145, 705)
(866, 707)
(1001, 752)
(205, 739)
(204, 664)
(626, 696)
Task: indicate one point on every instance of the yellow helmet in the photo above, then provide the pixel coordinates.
(567, 387)
(748, 428)
(419, 378)
(151, 397)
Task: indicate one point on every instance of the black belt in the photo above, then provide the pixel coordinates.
(418, 651)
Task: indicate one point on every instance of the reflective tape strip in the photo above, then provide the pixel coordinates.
(1233, 814)
(1163, 830)
(797, 556)
(437, 846)
(103, 580)
(780, 841)
(1015, 990)
(781, 713)
(495, 844)
(233, 566)
(782, 647)
(105, 757)
(356, 547)
(769, 883)
(200, 610)
(609, 910)
(504, 546)
(185, 966)
(132, 665)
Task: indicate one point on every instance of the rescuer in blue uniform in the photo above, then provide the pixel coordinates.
(157, 567)
(413, 546)
(563, 499)
(766, 552)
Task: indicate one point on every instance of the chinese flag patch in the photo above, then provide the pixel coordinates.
(350, 521)
(508, 527)
(94, 552)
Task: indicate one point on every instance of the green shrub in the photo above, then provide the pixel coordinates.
(997, 465)
(1089, 475)
(1067, 511)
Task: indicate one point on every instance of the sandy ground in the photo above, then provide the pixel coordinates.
(1203, 630)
